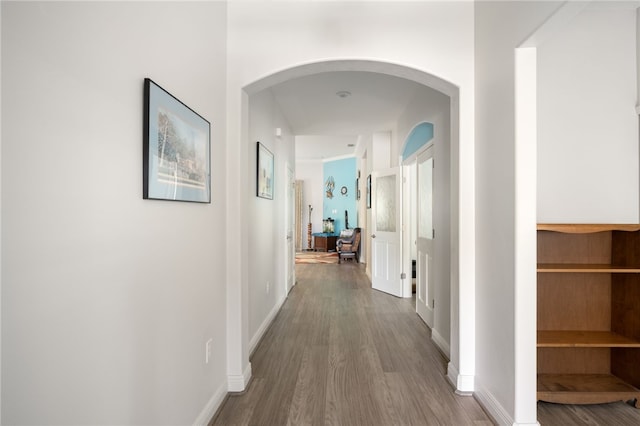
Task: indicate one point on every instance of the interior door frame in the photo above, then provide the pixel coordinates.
(393, 267)
(426, 311)
(409, 206)
(408, 223)
(289, 255)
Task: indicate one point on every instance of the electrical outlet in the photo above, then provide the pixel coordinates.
(207, 351)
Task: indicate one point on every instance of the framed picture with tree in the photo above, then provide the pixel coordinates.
(176, 149)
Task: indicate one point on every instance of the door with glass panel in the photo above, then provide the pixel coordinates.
(425, 302)
(385, 231)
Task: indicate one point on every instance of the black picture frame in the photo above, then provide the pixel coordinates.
(264, 172)
(358, 187)
(176, 149)
(369, 191)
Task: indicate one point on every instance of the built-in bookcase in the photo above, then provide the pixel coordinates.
(588, 313)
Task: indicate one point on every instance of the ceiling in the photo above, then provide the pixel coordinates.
(326, 123)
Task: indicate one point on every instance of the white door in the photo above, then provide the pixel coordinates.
(425, 302)
(385, 231)
(290, 254)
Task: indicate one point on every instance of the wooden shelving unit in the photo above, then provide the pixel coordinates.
(584, 339)
(588, 313)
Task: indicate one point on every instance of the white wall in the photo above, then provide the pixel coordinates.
(107, 299)
(500, 363)
(311, 173)
(363, 163)
(587, 123)
(266, 217)
(434, 107)
(381, 156)
(587, 151)
(266, 38)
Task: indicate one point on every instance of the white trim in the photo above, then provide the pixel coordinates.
(440, 342)
(413, 157)
(265, 325)
(463, 385)
(421, 148)
(338, 157)
(239, 383)
(491, 405)
(495, 410)
(212, 406)
(452, 375)
(405, 231)
(525, 255)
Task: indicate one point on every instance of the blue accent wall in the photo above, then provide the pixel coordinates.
(344, 174)
(420, 135)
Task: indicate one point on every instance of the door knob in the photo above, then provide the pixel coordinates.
(373, 235)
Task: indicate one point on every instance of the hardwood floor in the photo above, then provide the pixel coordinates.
(339, 353)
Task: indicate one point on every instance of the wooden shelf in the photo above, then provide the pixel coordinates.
(584, 339)
(585, 389)
(588, 287)
(585, 228)
(586, 268)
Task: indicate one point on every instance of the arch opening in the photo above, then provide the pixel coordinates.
(462, 330)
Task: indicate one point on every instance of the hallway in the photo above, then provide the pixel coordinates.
(340, 353)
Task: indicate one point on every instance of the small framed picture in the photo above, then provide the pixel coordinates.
(369, 191)
(264, 184)
(176, 159)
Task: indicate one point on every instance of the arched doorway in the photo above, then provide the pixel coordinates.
(462, 239)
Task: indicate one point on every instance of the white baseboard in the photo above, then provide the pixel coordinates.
(265, 325)
(212, 406)
(452, 375)
(491, 405)
(441, 343)
(464, 385)
(237, 383)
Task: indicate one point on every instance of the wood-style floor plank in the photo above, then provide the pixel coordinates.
(340, 353)
(309, 399)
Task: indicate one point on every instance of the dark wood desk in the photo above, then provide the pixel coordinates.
(324, 242)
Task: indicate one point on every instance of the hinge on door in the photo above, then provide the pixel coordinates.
(403, 276)
(433, 234)
(433, 303)
(433, 164)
